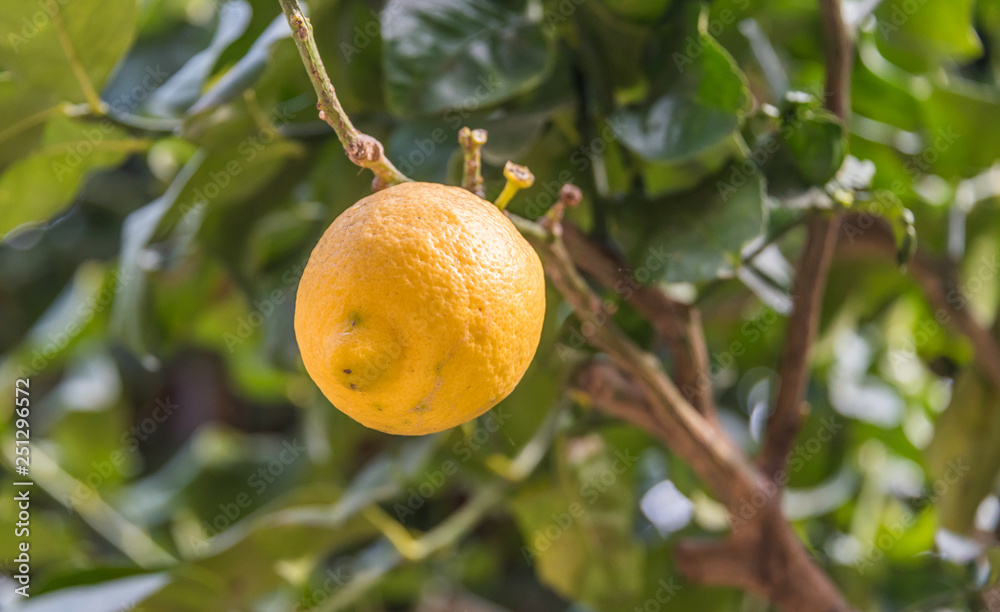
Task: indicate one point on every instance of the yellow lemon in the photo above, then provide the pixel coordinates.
(420, 309)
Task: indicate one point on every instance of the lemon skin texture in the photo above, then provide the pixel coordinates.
(420, 309)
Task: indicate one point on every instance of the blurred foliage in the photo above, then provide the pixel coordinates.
(164, 176)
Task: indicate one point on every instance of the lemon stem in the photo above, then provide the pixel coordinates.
(363, 150)
(406, 544)
(472, 142)
(518, 178)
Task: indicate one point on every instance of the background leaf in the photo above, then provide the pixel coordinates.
(467, 54)
(98, 32)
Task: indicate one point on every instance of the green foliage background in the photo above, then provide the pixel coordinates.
(153, 243)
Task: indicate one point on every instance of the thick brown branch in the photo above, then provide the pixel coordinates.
(839, 56)
(786, 418)
(766, 558)
(639, 391)
(763, 554)
(679, 325)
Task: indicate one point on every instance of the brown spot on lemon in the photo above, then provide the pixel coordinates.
(396, 289)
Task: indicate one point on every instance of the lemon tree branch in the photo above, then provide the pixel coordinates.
(789, 409)
(764, 555)
(362, 149)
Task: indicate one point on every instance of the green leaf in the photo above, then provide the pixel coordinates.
(446, 54)
(308, 528)
(208, 180)
(578, 532)
(41, 184)
(686, 129)
(185, 86)
(815, 138)
(95, 32)
(245, 72)
(674, 128)
(23, 114)
(963, 458)
(930, 30)
(885, 203)
(960, 141)
(699, 235)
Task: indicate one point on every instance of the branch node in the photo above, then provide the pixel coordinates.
(472, 142)
(365, 151)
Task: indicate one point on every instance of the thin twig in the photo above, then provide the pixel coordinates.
(839, 57)
(362, 149)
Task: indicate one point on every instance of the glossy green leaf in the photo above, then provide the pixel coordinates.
(441, 55)
(698, 235)
(694, 112)
(815, 139)
(185, 86)
(929, 29)
(43, 183)
(41, 37)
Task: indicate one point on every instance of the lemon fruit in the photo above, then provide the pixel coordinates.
(420, 309)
